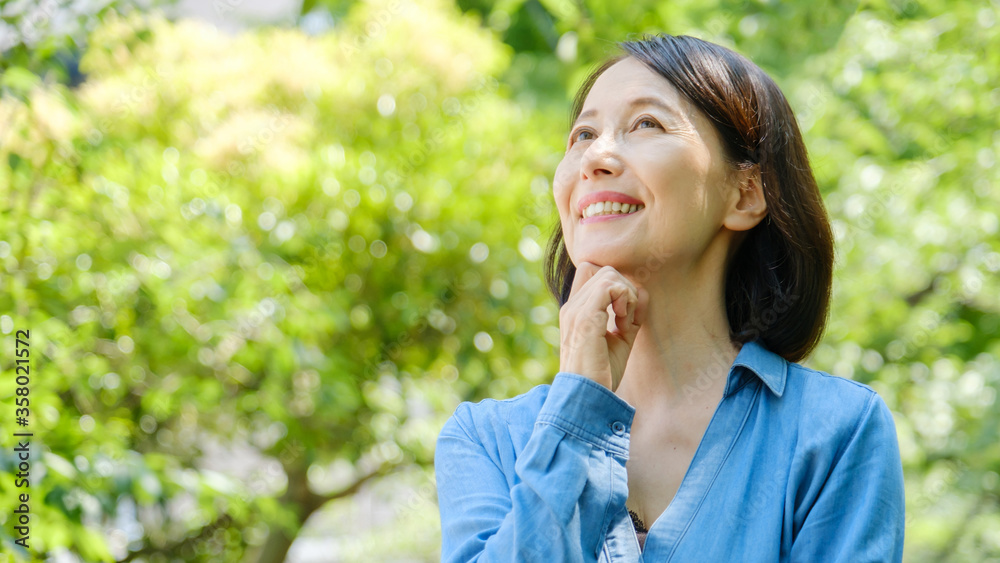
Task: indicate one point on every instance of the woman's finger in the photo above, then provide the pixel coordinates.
(624, 309)
(621, 296)
(584, 271)
(641, 306)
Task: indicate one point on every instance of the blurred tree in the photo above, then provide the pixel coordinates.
(903, 138)
(288, 242)
(260, 271)
(46, 38)
(555, 42)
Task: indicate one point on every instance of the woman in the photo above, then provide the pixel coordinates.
(693, 268)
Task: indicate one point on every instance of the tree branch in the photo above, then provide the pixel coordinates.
(275, 547)
(382, 471)
(918, 296)
(948, 551)
(222, 521)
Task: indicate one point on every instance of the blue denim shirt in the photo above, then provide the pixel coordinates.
(795, 465)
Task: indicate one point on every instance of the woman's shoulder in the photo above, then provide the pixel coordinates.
(488, 419)
(812, 392)
(822, 390)
(834, 409)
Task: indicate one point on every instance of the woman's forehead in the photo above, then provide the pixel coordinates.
(628, 83)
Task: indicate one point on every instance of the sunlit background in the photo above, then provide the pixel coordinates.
(265, 248)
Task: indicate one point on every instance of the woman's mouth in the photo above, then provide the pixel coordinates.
(609, 210)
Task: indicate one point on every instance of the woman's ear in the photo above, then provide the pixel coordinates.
(748, 207)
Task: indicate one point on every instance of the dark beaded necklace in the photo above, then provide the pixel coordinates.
(637, 522)
(640, 529)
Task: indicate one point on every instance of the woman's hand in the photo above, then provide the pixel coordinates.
(587, 346)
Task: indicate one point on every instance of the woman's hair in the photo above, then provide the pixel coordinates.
(778, 282)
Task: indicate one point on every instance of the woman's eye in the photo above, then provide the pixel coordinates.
(577, 135)
(646, 120)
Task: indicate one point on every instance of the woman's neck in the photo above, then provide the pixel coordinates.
(683, 352)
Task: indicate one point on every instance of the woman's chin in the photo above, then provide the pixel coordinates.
(608, 257)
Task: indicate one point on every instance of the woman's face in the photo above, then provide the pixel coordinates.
(640, 143)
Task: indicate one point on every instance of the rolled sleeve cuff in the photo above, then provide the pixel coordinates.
(588, 410)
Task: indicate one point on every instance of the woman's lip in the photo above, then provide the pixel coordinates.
(605, 196)
(597, 218)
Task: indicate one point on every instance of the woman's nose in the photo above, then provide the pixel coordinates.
(601, 157)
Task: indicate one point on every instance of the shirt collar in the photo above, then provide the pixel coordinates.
(771, 368)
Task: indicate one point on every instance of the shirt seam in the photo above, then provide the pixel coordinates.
(725, 458)
(856, 431)
(831, 376)
(840, 451)
(604, 391)
(477, 442)
(579, 432)
(743, 382)
(607, 505)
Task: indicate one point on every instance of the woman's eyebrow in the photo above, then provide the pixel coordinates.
(642, 101)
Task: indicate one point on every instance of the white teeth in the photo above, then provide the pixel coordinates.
(610, 208)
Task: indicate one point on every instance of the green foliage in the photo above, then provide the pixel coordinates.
(46, 37)
(256, 240)
(261, 270)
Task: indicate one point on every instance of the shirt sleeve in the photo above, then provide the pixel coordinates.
(858, 516)
(569, 480)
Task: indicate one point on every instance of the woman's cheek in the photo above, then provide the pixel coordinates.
(561, 183)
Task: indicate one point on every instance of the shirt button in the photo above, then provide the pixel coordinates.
(618, 428)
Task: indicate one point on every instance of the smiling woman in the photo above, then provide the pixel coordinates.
(693, 266)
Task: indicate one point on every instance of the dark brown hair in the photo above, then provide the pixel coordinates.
(778, 281)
